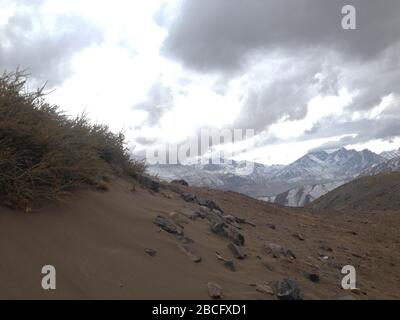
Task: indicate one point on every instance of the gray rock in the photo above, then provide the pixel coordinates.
(150, 252)
(209, 204)
(226, 231)
(238, 252)
(229, 264)
(214, 290)
(188, 197)
(181, 182)
(287, 289)
(264, 289)
(167, 225)
(278, 251)
(189, 253)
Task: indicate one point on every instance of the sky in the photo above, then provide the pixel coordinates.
(162, 71)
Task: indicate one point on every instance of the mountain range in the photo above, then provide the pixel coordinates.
(295, 184)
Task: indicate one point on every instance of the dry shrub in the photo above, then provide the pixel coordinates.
(45, 154)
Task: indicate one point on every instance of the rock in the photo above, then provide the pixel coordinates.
(209, 204)
(313, 277)
(181, 182)
(224, 230)
(229, 264)
(238, 252)
(287, 289)
(214, 290)
(190, 213)
(188, 197)
(167, 225)
(150, 252)
(299, 236)
(264, 289)
(278, 251)
(148, 182)
(271, 226)
(189, 253)
(184, 240)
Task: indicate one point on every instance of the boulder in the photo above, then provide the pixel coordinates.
(287, 289)
(150, 252)
(167, 225)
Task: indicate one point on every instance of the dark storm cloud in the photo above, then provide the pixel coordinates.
(229, 37)
(211, 35)
(44, 45)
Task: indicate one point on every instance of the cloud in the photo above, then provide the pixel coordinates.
(42, 43)
(211, 35)
(159, 101)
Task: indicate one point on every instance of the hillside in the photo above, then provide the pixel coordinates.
(107, 245)
(370, 193)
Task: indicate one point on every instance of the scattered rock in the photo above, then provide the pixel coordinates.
(185, 240)
(271, 226)
(299, 236)
(148, 182)
(188, 197)
(181, 182)
(313, 277)
(214, 290)
(150, 252)
(230, 265)
(238, 252)
(167, 225)
(287, 289)
(264, 289)
(278, 251)
(231, 233)
(189, 253)
(209, 204)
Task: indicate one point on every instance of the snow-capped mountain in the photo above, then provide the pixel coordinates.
(300, 196)
(387, 166)
(321, 166)
(390, 154)
(246, 177)
(315, 168)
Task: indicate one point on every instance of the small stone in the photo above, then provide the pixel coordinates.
(167, 225)
(265, 289)
(150, 252)
(287, 289)
(299, 236)
(271, 226)
(237, 251)
(229, 264)
(189, 253)
(278, 251)
(313, 277)
(188, 197)
(214, 290)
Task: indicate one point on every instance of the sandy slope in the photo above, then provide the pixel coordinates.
(97, 243)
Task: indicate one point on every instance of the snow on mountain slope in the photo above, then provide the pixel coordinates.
(387, 166)
(314, 168)
(388, 155)
(322, 166)
(300, 196)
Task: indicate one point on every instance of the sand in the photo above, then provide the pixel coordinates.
(97, 242)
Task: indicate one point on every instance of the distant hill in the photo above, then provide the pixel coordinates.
(370, 193)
